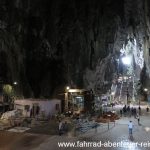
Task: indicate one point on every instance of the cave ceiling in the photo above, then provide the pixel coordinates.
(48, 44)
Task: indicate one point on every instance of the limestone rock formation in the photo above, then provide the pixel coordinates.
(45, 45)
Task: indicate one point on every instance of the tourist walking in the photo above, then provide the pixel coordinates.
(138, 118)
(121, 112)
(147, 109)
(130, 127)
(139, 110)
(60, 127)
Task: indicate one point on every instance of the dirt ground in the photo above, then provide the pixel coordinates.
(48, 128)
(20, 141)
(29, 139)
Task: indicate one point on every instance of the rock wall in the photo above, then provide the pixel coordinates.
(45, 45)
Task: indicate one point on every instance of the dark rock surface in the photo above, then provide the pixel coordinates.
(47, 44)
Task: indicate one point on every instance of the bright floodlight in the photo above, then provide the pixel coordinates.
(126, 60)
(145, 89)
(67, 87)
(15, 83)
(113, 93)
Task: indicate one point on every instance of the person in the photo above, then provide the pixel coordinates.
(139, 110)
(95, 126)
(121, 112)
(130, 126)
(124, 110)
(135, 112)
(138, 118)
(60, 127)
(31, 113)
(147, 109)
(65, 126)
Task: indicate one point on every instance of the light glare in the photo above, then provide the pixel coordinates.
(126, 60)
(67, 87)
(145, 89)
(15, 83)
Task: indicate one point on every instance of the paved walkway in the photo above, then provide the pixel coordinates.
(117, 133)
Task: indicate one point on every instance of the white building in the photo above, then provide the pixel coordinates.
(33, 107)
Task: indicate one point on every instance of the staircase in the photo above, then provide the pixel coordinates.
(125, 91)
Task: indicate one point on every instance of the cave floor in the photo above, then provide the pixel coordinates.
(117, 132)
(20, 141)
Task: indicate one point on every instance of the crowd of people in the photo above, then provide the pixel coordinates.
(133, 111)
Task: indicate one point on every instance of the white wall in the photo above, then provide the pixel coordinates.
(48, 106)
